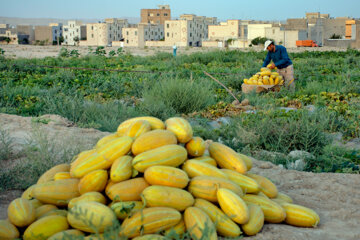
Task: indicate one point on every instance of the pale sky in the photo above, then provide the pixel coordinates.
(222, 9)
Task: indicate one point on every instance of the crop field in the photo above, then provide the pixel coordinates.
(101, 91)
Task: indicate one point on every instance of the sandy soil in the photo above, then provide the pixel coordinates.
(32, 51)
(335, 197)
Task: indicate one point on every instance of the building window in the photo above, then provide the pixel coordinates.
(77, 30)
(92, 27)
(145, 32)
(167, 25)
(190, 34)
(165, 14)
(135, 33)
(155, 33)
(109, 35)
(273, 31)
(148, 14)
(127, 41)
(158, 14)
(127, 33)
(92, 35)
(168, 34)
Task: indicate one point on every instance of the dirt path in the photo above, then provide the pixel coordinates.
(335, 197)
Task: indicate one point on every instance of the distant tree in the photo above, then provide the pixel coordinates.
(7, 40)
(77, 40)
(335, 36)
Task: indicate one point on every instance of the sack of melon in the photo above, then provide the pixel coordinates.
(149, 180)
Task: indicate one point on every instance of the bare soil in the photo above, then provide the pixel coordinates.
(34, 51)
(335, 197)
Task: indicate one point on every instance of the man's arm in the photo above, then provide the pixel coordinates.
(267, 60)
(284, 58)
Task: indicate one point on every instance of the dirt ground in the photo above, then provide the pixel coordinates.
(32, 51)
(335, 197)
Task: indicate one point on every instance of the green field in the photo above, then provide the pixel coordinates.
(164, 86)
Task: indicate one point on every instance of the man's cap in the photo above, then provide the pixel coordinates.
(267, 43)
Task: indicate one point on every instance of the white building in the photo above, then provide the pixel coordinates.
(73, 32)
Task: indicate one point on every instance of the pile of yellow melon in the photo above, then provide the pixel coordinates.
(149, 180)
(265, 77)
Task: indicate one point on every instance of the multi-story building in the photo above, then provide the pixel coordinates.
(231, 29)
(136, 37)
(57, 32)
(25, 33)
(44, 34)
(8, 36)
(190, 30)
(156, 16)
(327, 29)
(73, 32)
(103, 34)
(257, 30)
(287, 38)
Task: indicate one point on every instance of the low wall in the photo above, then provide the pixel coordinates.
(339, 43)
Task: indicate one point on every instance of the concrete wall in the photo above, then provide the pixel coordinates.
(287, 38)
(257, 30)
(229, 29)
(339, 43)
(44, 33)
(26, 30)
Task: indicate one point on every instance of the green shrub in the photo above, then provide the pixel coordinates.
(176, 96)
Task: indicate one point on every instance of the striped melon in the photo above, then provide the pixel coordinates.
(115, 148)
(206, 159)
(273, 212)
(181, 128)
(49, 174)
(233, 206)
(162, 196)
(27, 194)
(62, 175)
(196, 221)
(266, 186)
(45, 227)
(8, 230)
(88, 197)
(58, 192)
(42, 210)
(206, 187)
(152, 140)
(300, 216)
(247, 184)
(166, 176)
(155, 123)
(169, 155)
(71, 233)
(196, 168)
(106, 139)
(150, 220)
(256, 220)
(150, 237)
(121, 169)
(224, 225)
(138, 128)
(21, 212)
(128, 190)
(178, 230)
(94, 181)
(227, 158)
(196, 147)
(92, 217)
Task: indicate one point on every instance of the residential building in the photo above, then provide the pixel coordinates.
(156, 16)
(103, 34)
(57, 32)
(137, 37)
(26, 33)
(257, 30)
(231, 29)
(352, 41)
(287, 38)
(44, 35)
(73, 32)
(327, 29)
(189, 30)
(10, 35)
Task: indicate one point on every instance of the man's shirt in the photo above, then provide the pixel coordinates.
(279, 57)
